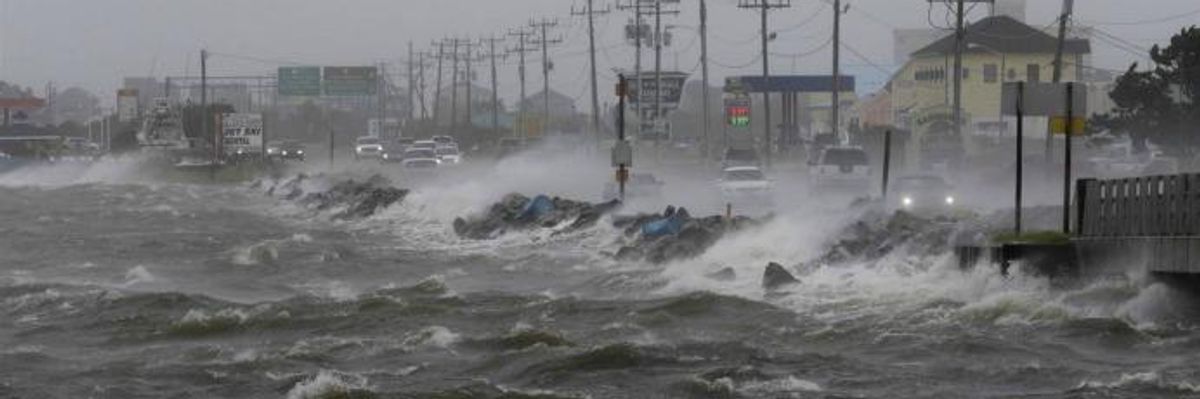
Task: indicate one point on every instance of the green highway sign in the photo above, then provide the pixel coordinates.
(350, 80)
(299, 81)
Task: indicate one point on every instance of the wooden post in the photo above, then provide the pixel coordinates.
(1020, 173)
(887, 161)
(1066, 227)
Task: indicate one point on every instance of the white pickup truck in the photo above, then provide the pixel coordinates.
(843, 168)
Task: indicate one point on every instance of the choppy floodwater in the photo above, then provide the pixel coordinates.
(115, 289)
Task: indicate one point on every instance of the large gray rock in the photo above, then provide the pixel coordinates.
(688, 237)
(695, 236)
(508, 215)
(875, 235)
(353, 199)
(776, 277)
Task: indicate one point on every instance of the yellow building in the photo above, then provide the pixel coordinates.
(997, 50)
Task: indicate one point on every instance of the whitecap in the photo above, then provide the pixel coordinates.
(139, 275)
(1150, 379)
(327, 383)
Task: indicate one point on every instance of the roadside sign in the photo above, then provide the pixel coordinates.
(350, 80)
(1043, 99)
(299, 81)
(655, 129)
(242, 131)
(737, 111)
(622, 154)
(127, 104)
(1058, 125)
(643, 88)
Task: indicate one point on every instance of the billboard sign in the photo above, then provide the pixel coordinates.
(1058, 125)
(390, 128)
(242, 133)
(127, 104)
(788, 84)
(643, 88)
(299, 81)
(350, 80)
(1043, 99)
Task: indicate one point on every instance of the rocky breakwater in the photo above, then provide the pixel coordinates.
(516, 212)
(873, 237)
(349, 199)
(674, 234)
(655, 238)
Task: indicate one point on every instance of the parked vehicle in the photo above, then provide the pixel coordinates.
(929, 193)
(424, 145)
(420, 158)
(735, 157)
(448, 155)
(639, 186)
(286, 150)
(746, 186)
(367, 147)
(394, 152)
(842, 167)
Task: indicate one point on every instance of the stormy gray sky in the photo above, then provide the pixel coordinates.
(94, 43)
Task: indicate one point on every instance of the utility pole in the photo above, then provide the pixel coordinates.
(412, 83)
(1063, 19)
(454, 86)
(522, 36)
(437, 89)
(591, 16)
(421, 84)
(204, 115)
(705, 149)
(765, 6)
(659, 37)
(639, 33)
(544, 25)
(959, 36)
(470, 60)
(836, 105)
(491, 41)
(381, 98)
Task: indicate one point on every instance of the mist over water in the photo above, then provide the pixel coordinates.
(117, 284)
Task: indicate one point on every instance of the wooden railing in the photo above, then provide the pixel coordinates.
(1152, 206)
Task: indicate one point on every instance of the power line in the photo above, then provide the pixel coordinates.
(746, 65)
(1147, 21)
(865, 60)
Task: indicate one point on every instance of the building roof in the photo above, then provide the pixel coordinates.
(1006, 35)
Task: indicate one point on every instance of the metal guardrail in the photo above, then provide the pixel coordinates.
(1151, 206)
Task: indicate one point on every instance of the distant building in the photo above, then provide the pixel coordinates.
(561, 105)
(564, 116)
(907, 41)
(481, 102)
(148, 88)
(998, 49)
(1014, 9)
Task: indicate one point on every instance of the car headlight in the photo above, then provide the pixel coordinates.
(385, 156)
(907, 201)
(949, 200)
(300, 152)
(285, 153)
